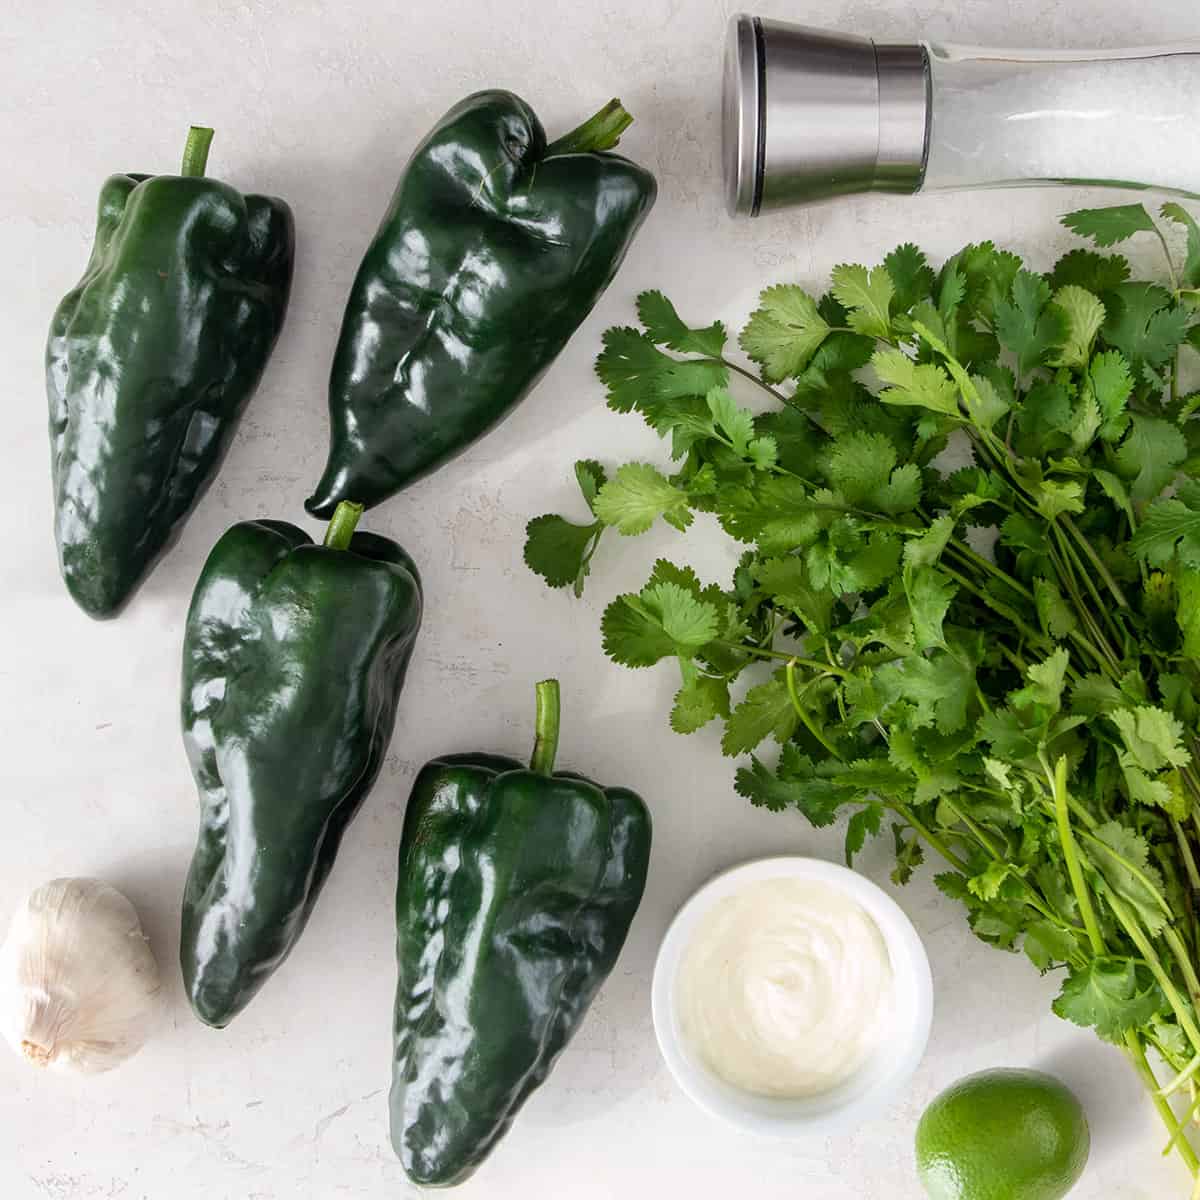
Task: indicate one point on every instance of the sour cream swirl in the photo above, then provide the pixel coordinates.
(785, 988)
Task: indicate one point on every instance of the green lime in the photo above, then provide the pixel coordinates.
(1002, 1135)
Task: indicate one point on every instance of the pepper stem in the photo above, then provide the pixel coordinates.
(341, 525)
(195, 152)
(601, 132)
(545, 746)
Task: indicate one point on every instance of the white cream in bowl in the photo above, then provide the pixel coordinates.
(792, 997)
(785, 987)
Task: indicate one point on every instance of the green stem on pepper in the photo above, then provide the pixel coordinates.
(545, 746)
(342, 525)
(600, 132)
(195, 152)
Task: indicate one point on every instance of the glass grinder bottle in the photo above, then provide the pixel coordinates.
(809, 115)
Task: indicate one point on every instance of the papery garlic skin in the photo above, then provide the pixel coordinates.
(79, 985)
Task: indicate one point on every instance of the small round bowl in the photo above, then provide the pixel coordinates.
(881, 1078)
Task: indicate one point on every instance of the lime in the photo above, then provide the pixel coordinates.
(1002, 1135)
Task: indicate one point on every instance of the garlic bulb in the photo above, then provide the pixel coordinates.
(79, 986)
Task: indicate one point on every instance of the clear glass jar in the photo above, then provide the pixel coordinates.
(1001, 117)
(810, 115)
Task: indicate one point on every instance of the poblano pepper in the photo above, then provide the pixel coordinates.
(517, 888)
(150, 361)
(293, 659)
(494, 249)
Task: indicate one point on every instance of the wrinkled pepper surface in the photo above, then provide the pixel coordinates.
(293, 659)
(517, 888)
(150, 361)
(494, 249)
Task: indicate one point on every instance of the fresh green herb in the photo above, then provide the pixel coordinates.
(998, 662)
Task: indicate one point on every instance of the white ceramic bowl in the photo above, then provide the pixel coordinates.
(882, 1077)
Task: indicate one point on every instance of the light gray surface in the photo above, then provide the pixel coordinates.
(321, 102)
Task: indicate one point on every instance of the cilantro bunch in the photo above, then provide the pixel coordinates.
(1000, 661)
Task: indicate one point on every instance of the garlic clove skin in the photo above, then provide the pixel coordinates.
(79, 985)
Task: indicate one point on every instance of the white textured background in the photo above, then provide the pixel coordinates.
(320, 101)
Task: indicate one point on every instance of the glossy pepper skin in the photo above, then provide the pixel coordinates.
(293, 659)
(493, 250)
(150, 361)
(517, 888)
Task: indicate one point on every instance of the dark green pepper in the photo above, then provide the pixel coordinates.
(494, 249)
(293, 659)
(150, 361)
(517, 887)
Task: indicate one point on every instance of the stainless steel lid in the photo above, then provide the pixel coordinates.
(809, 115)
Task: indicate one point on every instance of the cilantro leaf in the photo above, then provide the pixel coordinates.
(1108, 226)
(911, 275)
(922, 385)
(1190, 275)
(699, 701)
(765, 712)
(784, 332)
(935, 690)
(1123, 858)
(558, 550)
(663, 325)
(926, 550)
(640, 377)
(1046, 944)
(1110, 995)
(862, 466)
(1153, 738)
(591, 477)
(1045, 682)
(864, 823)
(1150, 455)
(1145, 324)
(789, 582)
(867, 298)
(1027, 325)
(1169, 524)
(1187, 612)
(1082, 316)
(930, 593)
(737, 424)
(910, 854)
(1053, 498)
(1112, 385)
(1098, 273)
(1057, 617)
(764, 789)
(637, 494)
(664, 619)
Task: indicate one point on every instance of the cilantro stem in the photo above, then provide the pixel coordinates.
(906, 814)
(1031, 896)
(1137, 1055)
(788, 401)
(1185, 852)
(759, 652)
(1191, 982)
(1169, 1089)
(1058, 785)
(1162, 241)
(965, 551)
(1070, 552)
(1188, 1118)
(803, 713)
(999, 606)
(1128, 922)
(1096, 561)
(1133, 870)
